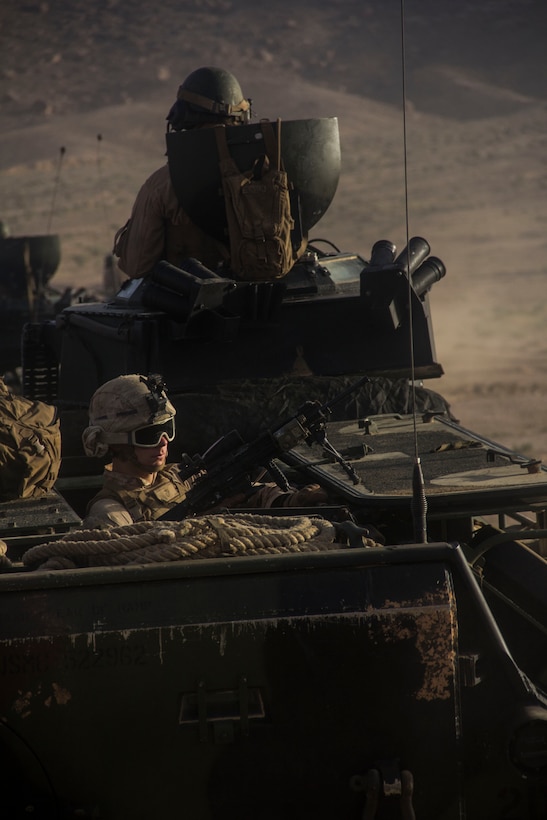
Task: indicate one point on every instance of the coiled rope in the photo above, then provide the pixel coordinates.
(209, 536)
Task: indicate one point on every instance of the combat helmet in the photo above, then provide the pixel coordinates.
(130, 409)
(208, 95)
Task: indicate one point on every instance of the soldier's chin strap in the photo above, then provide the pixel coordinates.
(242, 108)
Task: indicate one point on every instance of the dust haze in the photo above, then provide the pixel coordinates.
(442, 117)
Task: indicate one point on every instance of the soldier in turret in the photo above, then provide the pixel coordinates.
(132, 418)
(159, 229)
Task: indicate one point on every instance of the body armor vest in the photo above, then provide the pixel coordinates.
(148, 503)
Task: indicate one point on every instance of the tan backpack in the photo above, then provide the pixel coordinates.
(258, 211)
(30, 446)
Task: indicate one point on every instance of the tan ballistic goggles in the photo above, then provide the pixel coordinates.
(152, 434)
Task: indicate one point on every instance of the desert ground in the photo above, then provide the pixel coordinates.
(442, 111)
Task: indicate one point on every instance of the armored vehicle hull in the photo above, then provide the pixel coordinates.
(312, 685)
(395, 668)
(399, 680)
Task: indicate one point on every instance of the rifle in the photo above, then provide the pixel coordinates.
(228, 464)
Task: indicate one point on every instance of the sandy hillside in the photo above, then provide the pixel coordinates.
(97, 81)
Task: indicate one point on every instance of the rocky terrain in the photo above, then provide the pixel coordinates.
(442, 113)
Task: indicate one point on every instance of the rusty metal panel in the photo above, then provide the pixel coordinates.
(253, 688)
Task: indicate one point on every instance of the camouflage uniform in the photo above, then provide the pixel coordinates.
(159, 229)
(125, 499)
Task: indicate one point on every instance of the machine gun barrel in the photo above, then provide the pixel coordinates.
(220, 471)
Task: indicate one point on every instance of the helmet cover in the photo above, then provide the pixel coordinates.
(123, 405)
(208, 95)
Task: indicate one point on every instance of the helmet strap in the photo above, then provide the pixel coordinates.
(212, 106)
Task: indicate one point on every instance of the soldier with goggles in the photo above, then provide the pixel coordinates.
(132, 420)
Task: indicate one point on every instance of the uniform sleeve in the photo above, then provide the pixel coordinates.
(265, 495)
(106, 511)
(140, 244)
(270, 495)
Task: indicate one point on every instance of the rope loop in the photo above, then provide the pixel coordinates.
(208, 536)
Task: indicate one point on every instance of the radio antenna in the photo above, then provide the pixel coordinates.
(419, 500)
(62, 150)
(101, 181)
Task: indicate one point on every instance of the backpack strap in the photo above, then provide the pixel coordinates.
(273, 145)
(222, 144)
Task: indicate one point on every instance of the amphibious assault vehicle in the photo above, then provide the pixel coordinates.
(400, 672)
